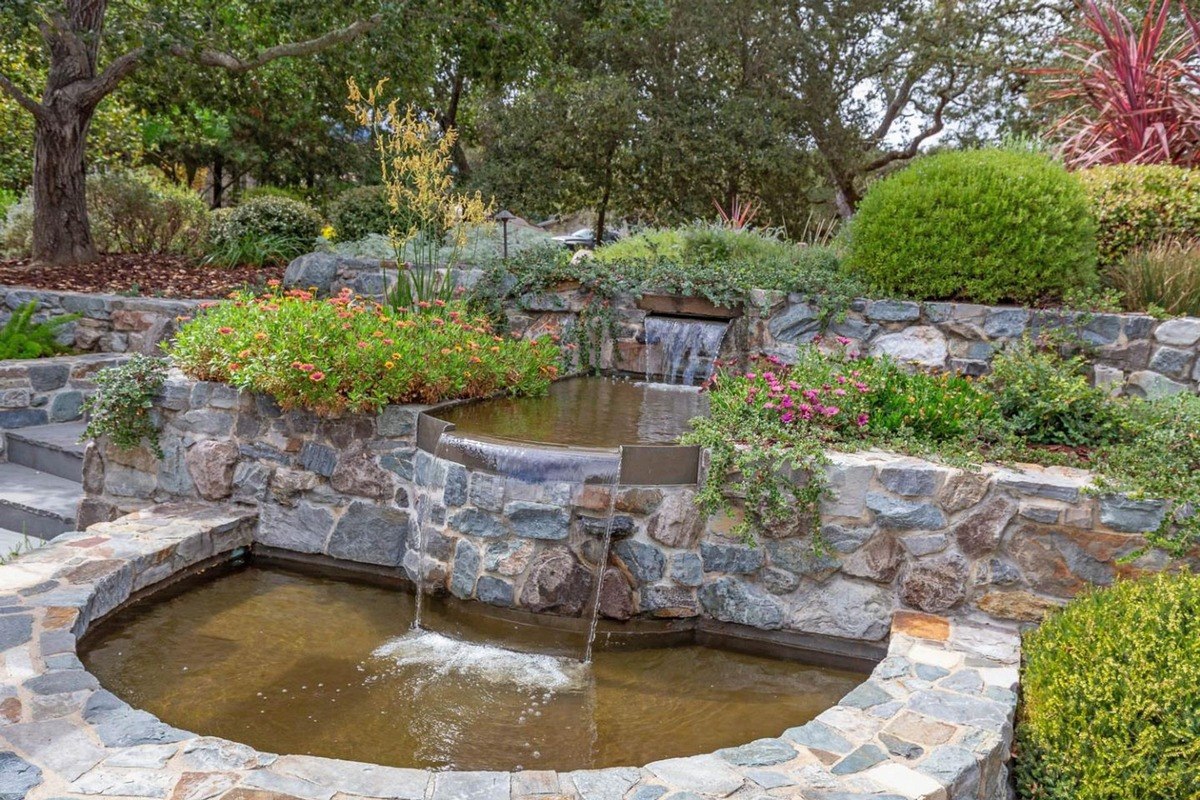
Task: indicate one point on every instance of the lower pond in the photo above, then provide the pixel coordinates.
(293, 662)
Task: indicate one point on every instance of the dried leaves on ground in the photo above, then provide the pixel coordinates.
(139, 275)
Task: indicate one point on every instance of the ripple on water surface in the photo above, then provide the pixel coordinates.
(297, 663)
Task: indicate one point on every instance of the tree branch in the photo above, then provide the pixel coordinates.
(118, 69)
(25, 101)
(207, 57)
(935, 127)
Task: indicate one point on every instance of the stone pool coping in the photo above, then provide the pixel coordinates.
(933, 721)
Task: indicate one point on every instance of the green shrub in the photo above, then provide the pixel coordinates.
(350, 354)
(1137, 205)
(142, 212)
(360, 211)
(272, 191)
(1165, 275)
(1111, 699)
(8, 199)
(981, 225)
(16, 229)
(1046, 399)
(263, 230)
(21, 337)
(122, 406)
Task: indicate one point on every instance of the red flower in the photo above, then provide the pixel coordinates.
(225, 331)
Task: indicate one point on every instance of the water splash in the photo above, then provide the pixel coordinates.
(443, 655)
(680, 350)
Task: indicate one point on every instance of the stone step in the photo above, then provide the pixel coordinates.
(37, 504)
(13, 544)
(53, 449)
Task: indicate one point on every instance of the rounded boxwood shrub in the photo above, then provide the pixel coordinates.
(139, 211)
(267, 217)
(1111, 696)
(1138, 205)
(983, 225)
(359, 212)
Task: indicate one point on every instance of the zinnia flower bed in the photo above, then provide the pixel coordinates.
(350, 353)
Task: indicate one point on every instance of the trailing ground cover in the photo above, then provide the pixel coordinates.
(1037, 407)
(347, 353)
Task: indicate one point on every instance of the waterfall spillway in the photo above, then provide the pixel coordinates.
(681, 350)
(602, 560)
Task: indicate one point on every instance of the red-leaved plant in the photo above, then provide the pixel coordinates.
(1133, 95)
(740, 214)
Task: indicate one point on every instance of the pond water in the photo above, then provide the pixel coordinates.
(292, 662)
(594, 411)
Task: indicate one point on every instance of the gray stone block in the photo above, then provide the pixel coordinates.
(760, 753)
(318, 458)
(644, 562)
(455, 493)
(911, 480)
(466, 569)
(732, 600)
(304, 527)
(537, 520)
(1131, 516)
(1006, 323)
(371, 534)
(904, 515)
(475, 522)
(1172, 362)
(731, 558)
(893, 311)
(687, 569)
(494, 591)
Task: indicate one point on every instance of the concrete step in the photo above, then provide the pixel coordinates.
(37, 504)
(13, 544)
(53, 449)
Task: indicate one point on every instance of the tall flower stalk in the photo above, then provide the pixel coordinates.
(431, 223)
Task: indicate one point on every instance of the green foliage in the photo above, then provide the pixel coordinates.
(360, 211)
(1046, 399)
(1165, 275)
(16, 230)
(266, 230)
(768, 423)
(264, 190)
(21, 337)
(1138, 205)
(350, 354)
(122, 405)
(140, 212)
(1110, 701)
(981, 225)
(8, 199)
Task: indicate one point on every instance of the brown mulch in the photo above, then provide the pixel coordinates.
(138, 275)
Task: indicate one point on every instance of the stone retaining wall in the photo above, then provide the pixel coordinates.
(897, 533)
(933, 721)
(39, 391)
(108, 323)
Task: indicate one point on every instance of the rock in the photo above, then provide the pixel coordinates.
(736, 559)
(911, 480)
(494, 591)
(926, 544)
(935, 585)
(371, 534)
(797, 323)
(1006, 323)
(801, 558)
(616, 596)
(397, 422)
(487, 491)
(923, 345)
(15, 630)
(893, 311)
(996, 572)
(313, 271)
(318, 458)
(962, 490)
(901, 514)
(537, 520)
(250, 482)
(1153, 386)
(66, 406)
(509, 557)
(357, 473)
(1182, 332)
(287, 483)
(676, 522)
(760, 753)
(687, 569)
(474, 522)
(1172, 362)
(979, 533)
(879, 560)
(731, 600)
(779, 581)
(707, 774)
(860, 759)
(844, 607)
(17, 776)
(455, 493)
(1131, 516)
(617, 526)
(637, 500)
(645, 563)
(847, 490)
(304, 528)
(211, 465)
(556, 582)
(466, 569)
(669, 602)
(842, 539)
(1018, 605)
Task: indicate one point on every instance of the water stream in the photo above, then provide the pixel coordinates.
(602, 560)
(681, 350)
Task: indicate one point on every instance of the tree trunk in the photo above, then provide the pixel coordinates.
(218, 181)
(61, 234)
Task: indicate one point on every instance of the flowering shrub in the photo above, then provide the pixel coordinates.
(352, 354)
(789, 414)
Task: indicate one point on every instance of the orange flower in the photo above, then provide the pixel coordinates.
(389, 365)
(317, 376)
(224, 330)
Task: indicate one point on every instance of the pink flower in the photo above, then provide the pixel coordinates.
(830, 411)
(863, 419)
(317, 376)
(750, 376)
(788, 417)
(843, 341)
(840, 392)
(224, 331)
